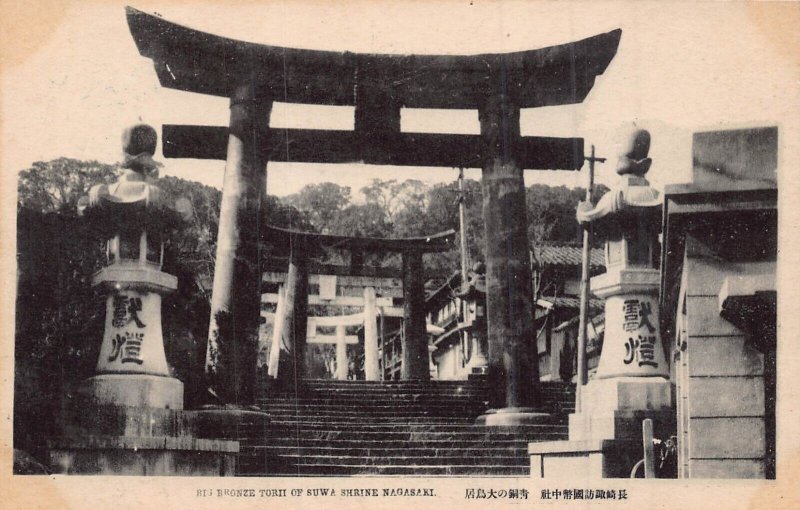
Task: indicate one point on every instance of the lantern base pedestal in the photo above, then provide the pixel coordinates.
(134, 390)
(605, 438)
(614, 408)
(143, 456)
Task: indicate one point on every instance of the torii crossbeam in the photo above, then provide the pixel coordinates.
(378, 86)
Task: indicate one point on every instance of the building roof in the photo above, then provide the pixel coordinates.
(567, 255)
(572, 303)
(596, 322)
(443, 293)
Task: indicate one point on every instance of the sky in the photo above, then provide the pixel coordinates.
(72, 78)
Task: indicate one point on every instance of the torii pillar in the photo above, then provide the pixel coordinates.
(415, 340)
(294, 319)
(236, 297)
(513, 368)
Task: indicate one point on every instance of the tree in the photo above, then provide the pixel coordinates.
(551, 213)
(194, 244)
(442, 213)
(393, 197)
(58, 185)
(321, 203)
(59, 320)
(362, 220)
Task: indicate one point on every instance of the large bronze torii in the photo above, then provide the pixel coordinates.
(378, 86)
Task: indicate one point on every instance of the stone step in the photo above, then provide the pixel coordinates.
(399, 435)
(387, 418)
(353, 420)
(382, 417)
(349, 393)
(403, 391)
(370, 404)
(419, 382)
(354, 409)
(350, 460)
(376, 404)
(322, 406)
(397, 421)
(376, 443)
(394, 403)
(403, 428)
(412, 389)
(389, 470)
(311, 423)
(369, 412)
(396, 386)
(344, 435)
(382, 395)
(408, 390)
(378, 450)
(411, 408)
(401, 396)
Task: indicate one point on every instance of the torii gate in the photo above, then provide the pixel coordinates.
(340, 339)
(293, 317)
(378, 86)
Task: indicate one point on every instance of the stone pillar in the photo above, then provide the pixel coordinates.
(371, 368)
(415, 341)
(277, 332)
(513, 368)
(291, 365)
(341, 353)
(231, 357)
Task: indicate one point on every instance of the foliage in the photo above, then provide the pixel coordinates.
(195, 243)
(551, 213)
(59, 251)
(321, 203)
(59, 319)
(413, 208)
(362, 220)
(56, 186)
(392, 196)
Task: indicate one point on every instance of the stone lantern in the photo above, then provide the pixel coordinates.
(473, 302)
(128, 418)
(631, 383)
(632, 375)
(132, 366)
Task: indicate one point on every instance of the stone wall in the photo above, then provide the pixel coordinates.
(720, 376)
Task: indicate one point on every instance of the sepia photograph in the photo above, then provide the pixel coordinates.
(400, 253)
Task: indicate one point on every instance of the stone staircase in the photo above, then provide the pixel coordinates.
(411, 428)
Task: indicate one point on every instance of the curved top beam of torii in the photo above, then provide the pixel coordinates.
(195, 61)
(439, 242)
